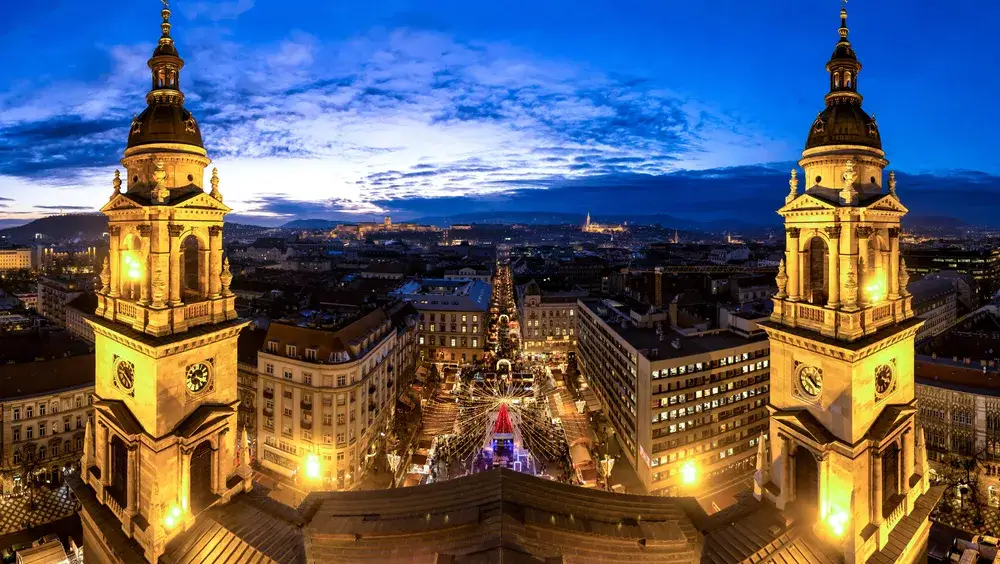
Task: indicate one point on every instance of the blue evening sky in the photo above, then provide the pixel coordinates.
(329, 108)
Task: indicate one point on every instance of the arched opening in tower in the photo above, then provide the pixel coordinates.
(130, 267)
(201, 477)
(806, 481)
(817, 265)
(890, 478)
(191, 268)
(119, 471)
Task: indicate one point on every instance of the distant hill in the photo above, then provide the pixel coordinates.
(557, 218)
(311, 224)
(85, 227)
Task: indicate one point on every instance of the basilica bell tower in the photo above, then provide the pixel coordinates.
(162, 446)
(846, 458)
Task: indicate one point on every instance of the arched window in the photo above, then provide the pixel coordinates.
(119, 471)
(847, 79)
(817, 272)
(836, 80)
(130, 265)
(191, 267)
(201, 477)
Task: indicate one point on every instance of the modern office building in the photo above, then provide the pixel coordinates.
(983, 265)
(675, 401)
(15, 258)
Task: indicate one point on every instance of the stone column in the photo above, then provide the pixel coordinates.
(175, 231)
(876, 488)
(132, 481)
(907, 454)
(833, 291)
(159, 263)
(203, 260)
(794, 263)
(104, 451)
(114, 258)
(893, 274)
(866, 268)
(214, 260)
(185, 489)
(145, 231)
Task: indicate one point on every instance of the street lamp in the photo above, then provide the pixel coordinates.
(689, 473)
(394, 460)
(607, 463)
(312, 466)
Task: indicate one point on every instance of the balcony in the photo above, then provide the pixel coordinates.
(268, 412)
(308, 425)
(371, 389)
(371, 407)
(306, 405)
(269, 393)
(388, 383)
(389, 369)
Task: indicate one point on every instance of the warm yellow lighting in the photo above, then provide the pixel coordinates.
(312, 466)
(133, 269)
(172, 518)
(875, 291)
(689, 473)
(837, 521)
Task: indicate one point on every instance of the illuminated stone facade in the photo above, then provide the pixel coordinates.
(327, 398)
(163, 444)
(844, 457)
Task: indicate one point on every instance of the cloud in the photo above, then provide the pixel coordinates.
(216, 10)
(64, 208)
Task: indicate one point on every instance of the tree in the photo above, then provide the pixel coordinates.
(29, 466)
(960, 472)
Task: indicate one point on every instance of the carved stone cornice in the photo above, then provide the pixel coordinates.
(793, 232)
(864, 231)
(215, 230)
(833, 231)
(894, 232)
(175, 229)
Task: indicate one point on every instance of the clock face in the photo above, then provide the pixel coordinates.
(883, 379)
(811, 380)
(197, 377)
(125, 374)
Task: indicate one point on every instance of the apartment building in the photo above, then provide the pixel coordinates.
(676, 401)
(326, 397)
(936, 302)
(548, 319)
(452, 317)
(46, 405)
(54, 294)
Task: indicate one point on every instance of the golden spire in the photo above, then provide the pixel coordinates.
(843, 19)
(165, 26)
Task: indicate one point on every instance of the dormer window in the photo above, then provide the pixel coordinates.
(272, 346)
(290, 350)
(310, 354)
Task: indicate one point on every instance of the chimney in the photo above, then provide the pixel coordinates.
(658, 287)
(672, 310)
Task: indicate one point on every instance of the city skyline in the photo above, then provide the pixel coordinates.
(388, 110)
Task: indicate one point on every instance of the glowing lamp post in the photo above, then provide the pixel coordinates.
(689, 473)
(607, 463)
(312, 467)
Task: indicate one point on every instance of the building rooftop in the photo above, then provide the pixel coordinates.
(40, 345)
(45, 377)
(448, 295)
(672, 344)
(929, 289)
